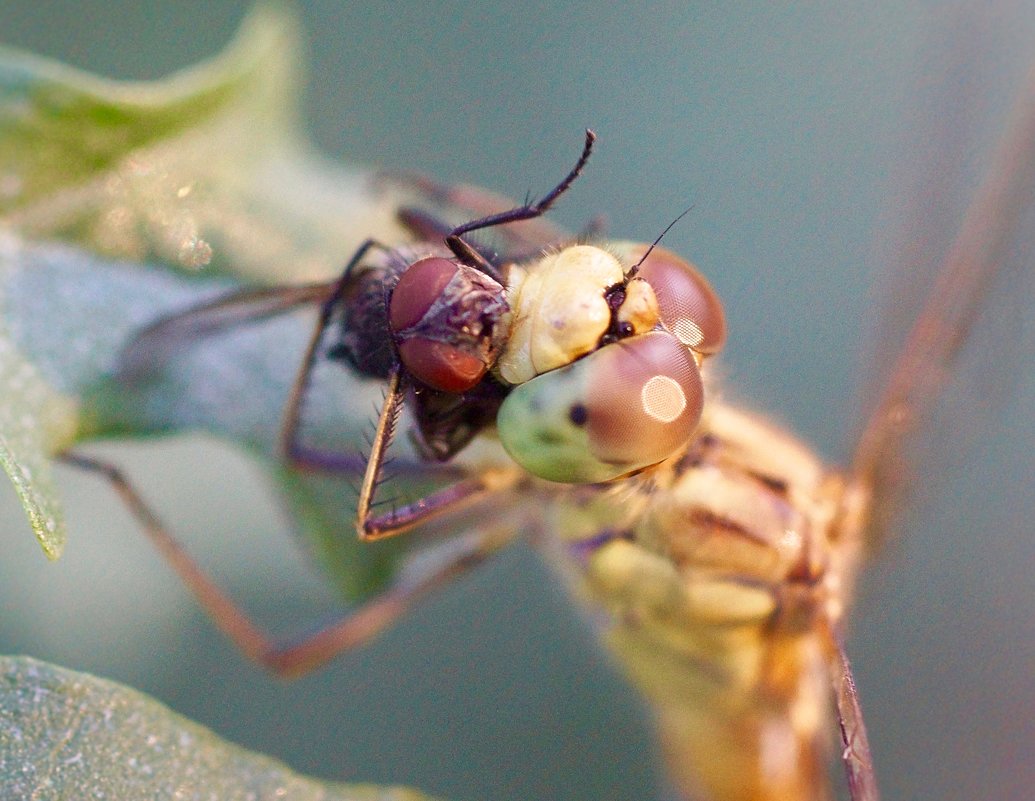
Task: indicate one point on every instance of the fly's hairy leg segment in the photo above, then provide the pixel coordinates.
(473, 202)
(289, 443)
(530, 236)
(447, 500)
(313, 650)
(469, 255)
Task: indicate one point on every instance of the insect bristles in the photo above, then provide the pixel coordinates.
(383, 479)
(382, 502)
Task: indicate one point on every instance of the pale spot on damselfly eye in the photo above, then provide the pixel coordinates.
(688, 332)
(662, 398)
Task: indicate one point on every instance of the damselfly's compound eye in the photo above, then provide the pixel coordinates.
(442, 316)
(688, 305)
(628, 405)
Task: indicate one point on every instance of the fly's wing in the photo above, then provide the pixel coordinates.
(156, 343)
(429, 211)
(967, 221)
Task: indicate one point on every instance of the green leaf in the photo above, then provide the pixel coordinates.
(35, 420)
(63, 336)
(70, 735)
(205, 169)
(165, 194)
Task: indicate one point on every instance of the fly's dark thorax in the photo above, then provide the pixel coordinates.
(364, 339)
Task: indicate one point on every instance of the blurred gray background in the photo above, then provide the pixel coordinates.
(796, 131)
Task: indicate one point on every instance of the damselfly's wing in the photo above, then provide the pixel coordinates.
(962, 240)
(942, 635)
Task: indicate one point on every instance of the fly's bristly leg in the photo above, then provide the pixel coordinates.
(310, 652)
(446, 500)
(472, 202)
(289, 443)
(384, 433)
(456, 243)
(429, 227)
(592, 230)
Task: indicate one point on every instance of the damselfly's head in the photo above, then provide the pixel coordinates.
(604, 351)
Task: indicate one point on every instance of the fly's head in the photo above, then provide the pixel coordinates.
(604, 352)
(422, 308)
(444, 319)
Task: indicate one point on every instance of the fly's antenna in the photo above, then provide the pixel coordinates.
(636, 267)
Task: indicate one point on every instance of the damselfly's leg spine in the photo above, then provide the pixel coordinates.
(313, 650)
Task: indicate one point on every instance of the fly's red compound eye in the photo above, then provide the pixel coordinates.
(688, 305)
(440, 365)
(418, 289)
(433, 361)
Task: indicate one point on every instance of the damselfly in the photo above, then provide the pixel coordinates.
(722, 550)
(723, 555)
